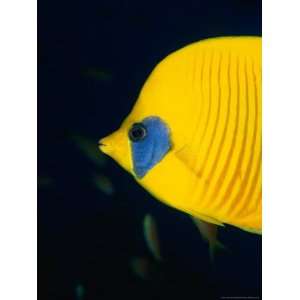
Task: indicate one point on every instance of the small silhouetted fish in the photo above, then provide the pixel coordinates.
(209, 233)
(151, 236)
(79, 292)
(44, 182)
(140, 266)
(98, 74)
(104, 184)
(90, 149)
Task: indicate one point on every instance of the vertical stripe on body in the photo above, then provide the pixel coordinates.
(228, 158)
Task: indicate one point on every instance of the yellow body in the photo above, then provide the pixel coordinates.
(209, 94)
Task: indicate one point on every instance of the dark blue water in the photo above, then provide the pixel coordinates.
(93, 59)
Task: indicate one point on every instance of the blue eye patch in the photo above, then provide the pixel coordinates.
(150, 142)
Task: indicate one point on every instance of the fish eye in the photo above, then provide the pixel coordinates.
(137, 132)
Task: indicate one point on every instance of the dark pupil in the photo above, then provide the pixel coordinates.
(137, 132)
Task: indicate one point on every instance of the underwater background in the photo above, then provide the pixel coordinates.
(93, 58)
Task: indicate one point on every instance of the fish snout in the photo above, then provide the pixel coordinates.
(116, 146)
(103, 145)
(110, 143)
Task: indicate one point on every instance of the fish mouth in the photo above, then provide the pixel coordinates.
(105, 146)
(112, 146)
(101, 145)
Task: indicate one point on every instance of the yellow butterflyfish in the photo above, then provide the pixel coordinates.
(193, 138)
